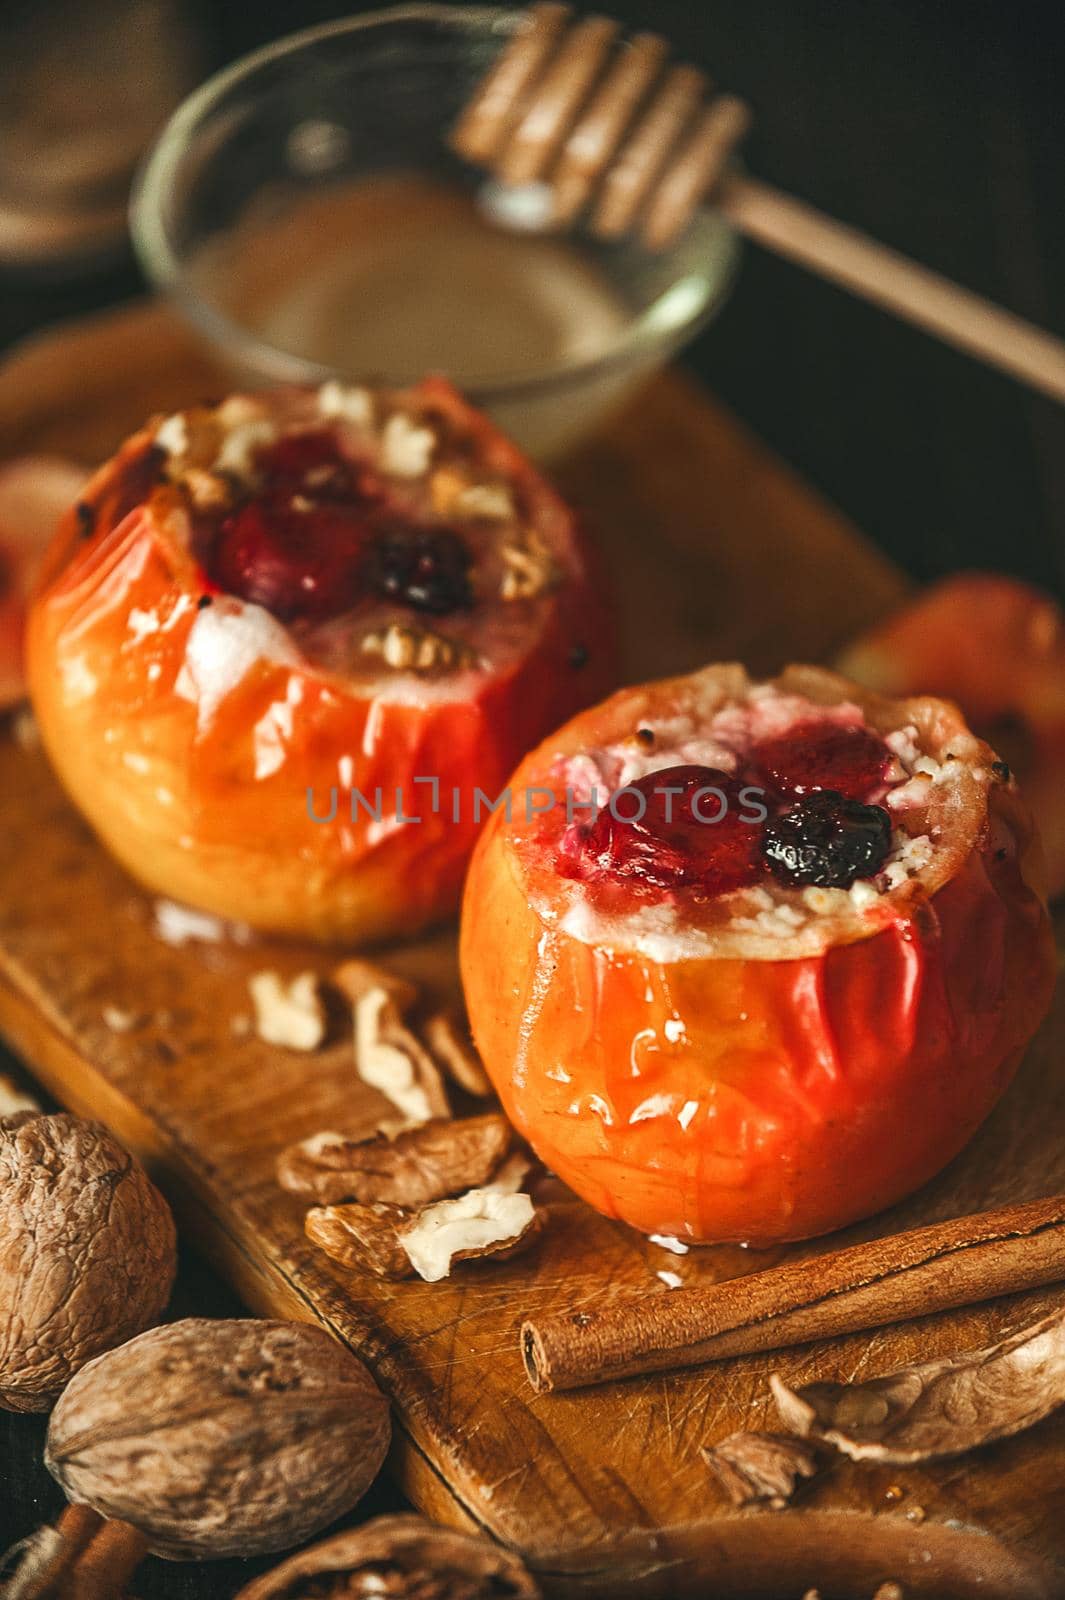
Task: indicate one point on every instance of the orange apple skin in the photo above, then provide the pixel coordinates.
(180, 805)
(754, 1100)
(996, 646)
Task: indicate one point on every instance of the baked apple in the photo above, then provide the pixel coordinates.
(287, 649)
(35, 491)
(749, 961)
(996, 646)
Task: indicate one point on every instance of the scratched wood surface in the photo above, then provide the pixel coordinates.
(717, 551)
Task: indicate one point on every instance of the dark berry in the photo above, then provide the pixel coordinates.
(696, 827)
(822, 755)
(578, 657)
(827, 839)
(426, 568)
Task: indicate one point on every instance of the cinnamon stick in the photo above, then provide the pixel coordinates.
(935, 1268)
(84, 1557)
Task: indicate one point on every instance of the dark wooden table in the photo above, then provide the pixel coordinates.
(936, 127)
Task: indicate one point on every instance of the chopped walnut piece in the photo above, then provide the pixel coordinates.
(511, 1176)
(388, 1055)
(417, 649)
(208, 491)
(356, 978)
(448, 1038)
(445, 487)
(190, 439)
(484, 1222)
(492, 501)
(346, 403)
(172, 435)
(760, 1468)
(406, 447)
(117, 1019)
(240, 446)
(289, 1014)
(936, 1408)
(392, 1060)
(424, 1164)
(363, 1237)
(529, 568)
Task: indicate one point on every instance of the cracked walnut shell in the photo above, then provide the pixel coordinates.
(226, 1438)
(87, 1253)
(402, 1556)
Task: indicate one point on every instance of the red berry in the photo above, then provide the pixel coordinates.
(696, 827)
(297, 548)
(821, 755)
(298, 564)
(306, 462)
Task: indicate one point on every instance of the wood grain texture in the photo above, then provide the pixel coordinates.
(718, 551)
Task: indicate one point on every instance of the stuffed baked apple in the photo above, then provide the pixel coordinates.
(996, 646)
(275, 632)
(34, 493)
(750, 961)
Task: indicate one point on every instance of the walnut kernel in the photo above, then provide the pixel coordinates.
(365, 1238)
(483, 1222)
(426, 1163)
(529, 568)
(417, 649)
(288, 1014)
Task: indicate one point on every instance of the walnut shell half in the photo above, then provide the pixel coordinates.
(398, 1556)
(87, 1253)
(221, 1438)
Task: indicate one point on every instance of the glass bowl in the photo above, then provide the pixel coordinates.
(305, 213)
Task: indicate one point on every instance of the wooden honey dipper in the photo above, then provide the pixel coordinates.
(613, 129)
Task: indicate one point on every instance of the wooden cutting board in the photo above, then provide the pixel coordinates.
(718, 551)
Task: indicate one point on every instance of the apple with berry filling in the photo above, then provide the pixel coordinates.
(996, 646)
(35, 492)
(755, 959)
(275, 631)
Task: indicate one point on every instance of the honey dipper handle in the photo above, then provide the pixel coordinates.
(883, 276)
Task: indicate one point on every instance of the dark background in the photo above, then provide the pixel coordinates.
(937, 125)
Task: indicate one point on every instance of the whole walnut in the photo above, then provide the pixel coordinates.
(221, 1438)
(87, 1252)
(402, 1557)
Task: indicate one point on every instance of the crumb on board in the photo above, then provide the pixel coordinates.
(118, 1019)
(176, 925)
(288, 1014)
